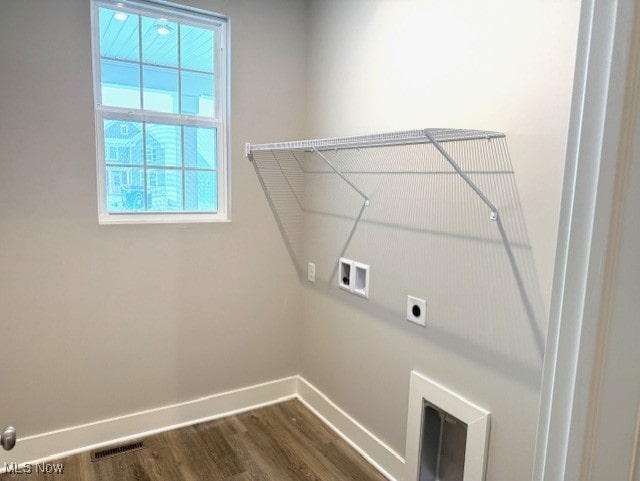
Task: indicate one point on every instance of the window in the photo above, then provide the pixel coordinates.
(160, 98)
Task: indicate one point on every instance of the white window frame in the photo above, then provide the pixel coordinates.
(174, 12)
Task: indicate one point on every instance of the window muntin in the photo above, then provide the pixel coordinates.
(160, 108)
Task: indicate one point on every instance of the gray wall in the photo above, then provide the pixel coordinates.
(108, 320)
(99, 321)
(384, 65)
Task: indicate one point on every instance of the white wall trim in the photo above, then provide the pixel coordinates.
(64, 442)
(581, 275)
(374, 450)
(68, 441)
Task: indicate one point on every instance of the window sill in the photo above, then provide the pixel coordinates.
(162, 219)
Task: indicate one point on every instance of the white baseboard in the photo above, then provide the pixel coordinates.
(65, 442)
(375, 451)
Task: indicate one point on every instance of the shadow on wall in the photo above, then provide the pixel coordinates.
(425, 233)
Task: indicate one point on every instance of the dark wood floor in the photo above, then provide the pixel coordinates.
(283, 442)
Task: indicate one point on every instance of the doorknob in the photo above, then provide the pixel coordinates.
(8, 438)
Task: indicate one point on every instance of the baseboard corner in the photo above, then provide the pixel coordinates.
(382, 457)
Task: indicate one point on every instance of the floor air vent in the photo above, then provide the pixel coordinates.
(115, 450)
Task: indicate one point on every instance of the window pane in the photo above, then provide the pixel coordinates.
(120, 84)
(163, 145)
(122, 142)
(125, 189)
(200, 147)
(201, 191)
(159, 42)
(197, 94)
(164, 190)
(119, 35)
(160, 89)
(196, 48)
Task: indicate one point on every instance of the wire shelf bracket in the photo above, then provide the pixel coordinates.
(341, 175)
(493, 215)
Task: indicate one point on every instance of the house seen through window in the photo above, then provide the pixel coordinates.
(160, 90)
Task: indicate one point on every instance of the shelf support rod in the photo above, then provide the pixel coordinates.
(283, 232)
(341, 175)
(494, 211)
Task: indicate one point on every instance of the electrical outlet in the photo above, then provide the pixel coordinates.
(417, 311)
(311, 272)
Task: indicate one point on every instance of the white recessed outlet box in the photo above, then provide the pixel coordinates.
(311, 272)
(417, 311)
(361, 280)
(354, 277)
(345, 272)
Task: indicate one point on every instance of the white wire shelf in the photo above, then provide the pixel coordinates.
(436, 137)
(406, 137)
